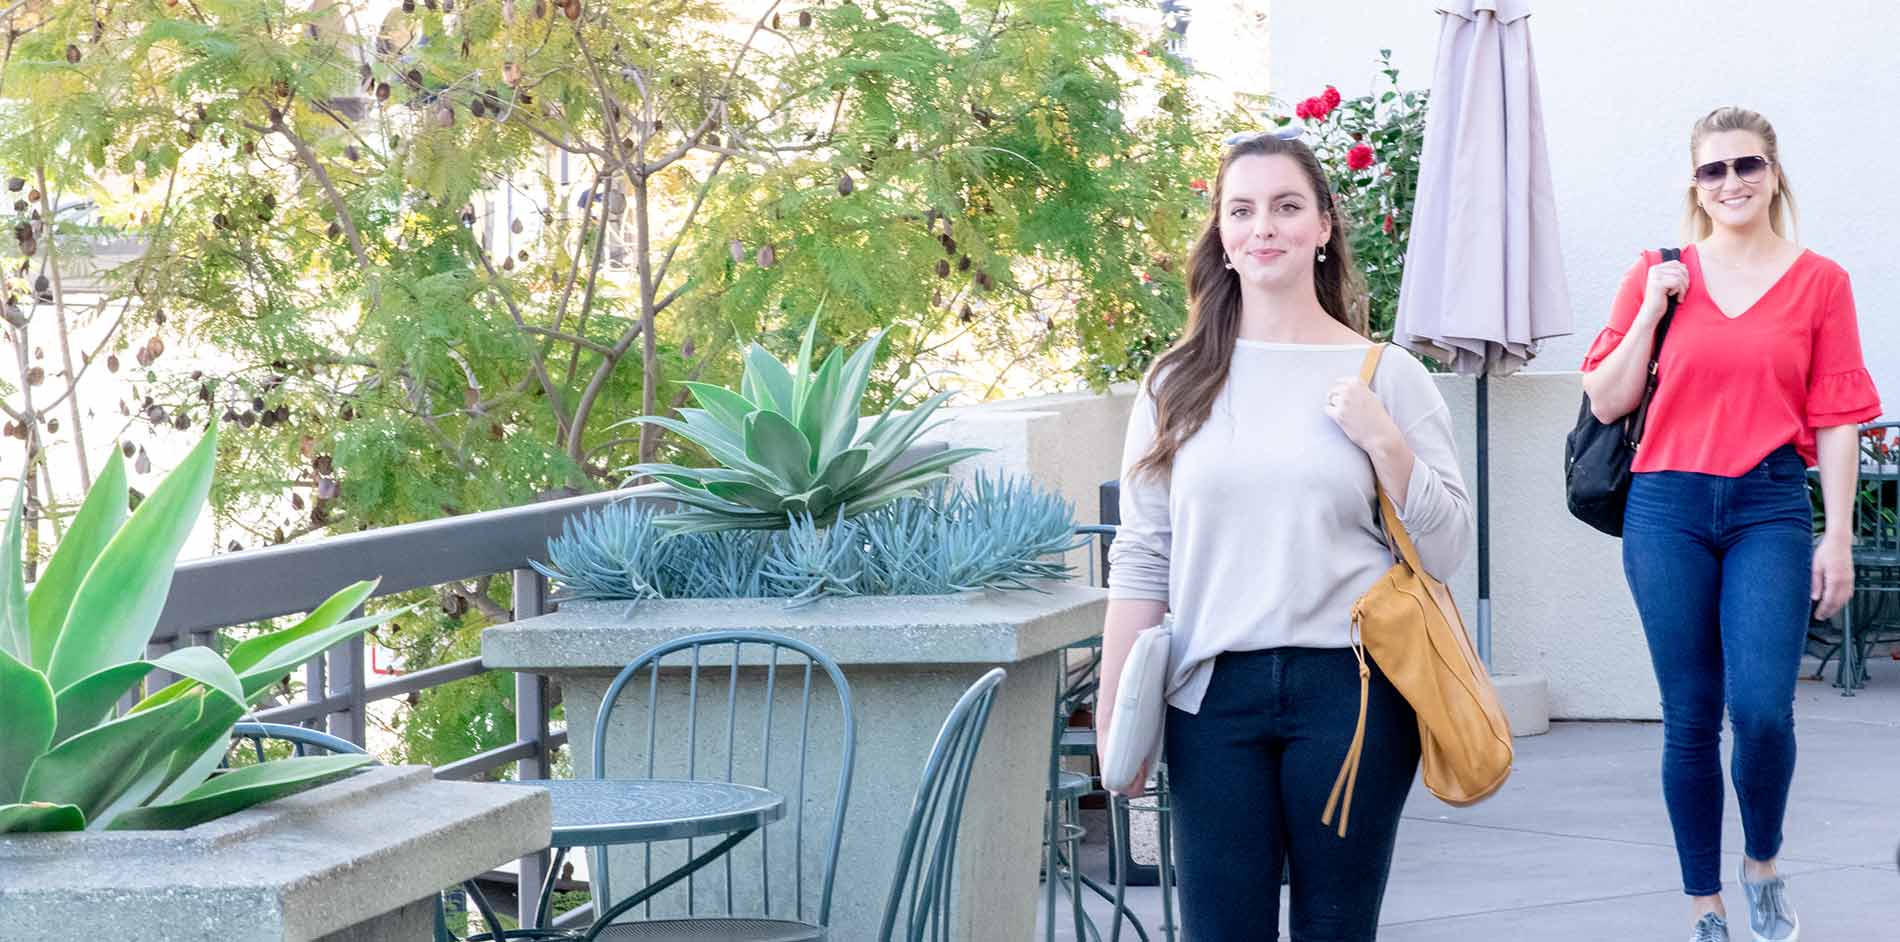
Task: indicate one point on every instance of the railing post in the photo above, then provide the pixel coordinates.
(316, 683)
(531, 725)
(348, 677)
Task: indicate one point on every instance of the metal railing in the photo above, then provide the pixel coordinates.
(208, 595)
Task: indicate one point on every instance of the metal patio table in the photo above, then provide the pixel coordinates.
(605, 811)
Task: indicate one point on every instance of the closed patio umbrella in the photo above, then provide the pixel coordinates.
(1483, 280)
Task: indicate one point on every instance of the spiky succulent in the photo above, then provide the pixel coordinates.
(991, 534)
(73, 649)
(788, 444)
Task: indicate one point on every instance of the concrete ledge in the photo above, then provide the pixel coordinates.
(1526, 701)
(990, 627)
(300, 868)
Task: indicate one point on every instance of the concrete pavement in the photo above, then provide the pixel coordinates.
(1577, 845)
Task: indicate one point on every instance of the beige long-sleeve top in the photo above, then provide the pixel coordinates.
(1266, 531)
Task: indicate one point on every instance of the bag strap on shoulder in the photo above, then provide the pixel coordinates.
(1387, 511)
(1639, 420)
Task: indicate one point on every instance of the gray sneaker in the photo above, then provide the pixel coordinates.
(1710, 928)
(1770, 916)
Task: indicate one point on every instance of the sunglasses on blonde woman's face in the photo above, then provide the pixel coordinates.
(1713, 174)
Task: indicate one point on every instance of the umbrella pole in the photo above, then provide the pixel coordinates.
(1484, 520)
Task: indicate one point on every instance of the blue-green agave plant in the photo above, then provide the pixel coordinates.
(788, 445)
(75, 645)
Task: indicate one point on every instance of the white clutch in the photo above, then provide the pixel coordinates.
(1141, 709)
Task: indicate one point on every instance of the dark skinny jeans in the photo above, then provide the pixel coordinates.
(1250, 775)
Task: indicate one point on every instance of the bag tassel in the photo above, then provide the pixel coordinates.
(1341, 798)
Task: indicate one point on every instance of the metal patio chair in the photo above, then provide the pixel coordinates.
(788, 910)
(918, 907)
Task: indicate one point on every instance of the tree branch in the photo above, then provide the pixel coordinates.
(534, 357)
(692, 213)
(65, 333)
(564, 337)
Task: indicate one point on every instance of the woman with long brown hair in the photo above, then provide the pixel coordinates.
(1248, 510)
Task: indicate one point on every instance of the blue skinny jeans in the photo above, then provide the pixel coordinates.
(1720, 570)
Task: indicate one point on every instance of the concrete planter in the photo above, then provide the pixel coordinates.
(907, 660)
(359, 859)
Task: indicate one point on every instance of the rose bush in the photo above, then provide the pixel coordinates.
(1369, 146)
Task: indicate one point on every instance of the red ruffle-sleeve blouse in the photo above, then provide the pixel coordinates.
(1732, 389)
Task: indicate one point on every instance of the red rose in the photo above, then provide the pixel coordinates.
(1303, 109)
(1389, 224)
(1145, 278)
(1360, 157)
(1197, 185)
(1319, 107)
(1331, 97)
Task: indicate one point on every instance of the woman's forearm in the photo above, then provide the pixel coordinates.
(1392, 461)
(1126, 618)
(1616, 385)
(1838, 450)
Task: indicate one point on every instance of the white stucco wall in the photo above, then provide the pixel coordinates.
(1622, 82)
(1560, 606)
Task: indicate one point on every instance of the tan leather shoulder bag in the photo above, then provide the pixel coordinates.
(1409, 625)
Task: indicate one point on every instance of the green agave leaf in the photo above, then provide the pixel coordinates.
(879, 496)
(928, 466)
(771, 382)
(118, 602)
(40, 817)
(841, 428)
(251, 651)
(750, 495)
(721, 452)
(99, 517)
(772, 441)
(237, 790)
(843, 469)
(692, 522)
(889, 442)
(303, 646)
(706, 501)
(814, 502)
(195, 666)
(723, 404)
(93, 768)
(696, 478)
(884, 419)
(88, 701)
(154, 770)
(200, 748)
(16, 630)
(801, 381)
(26, 702)
(258, 679)
(708, 428)
(814, 413)
(679, 482)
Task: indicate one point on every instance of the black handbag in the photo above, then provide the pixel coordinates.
(1597, 455)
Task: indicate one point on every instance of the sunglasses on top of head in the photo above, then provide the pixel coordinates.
(1713, 174)
(1288, 133)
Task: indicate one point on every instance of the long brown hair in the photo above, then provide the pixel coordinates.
(1696, 223)
(1196, 366)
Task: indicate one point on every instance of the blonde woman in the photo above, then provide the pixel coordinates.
(1760, 378)
(1248, 509)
